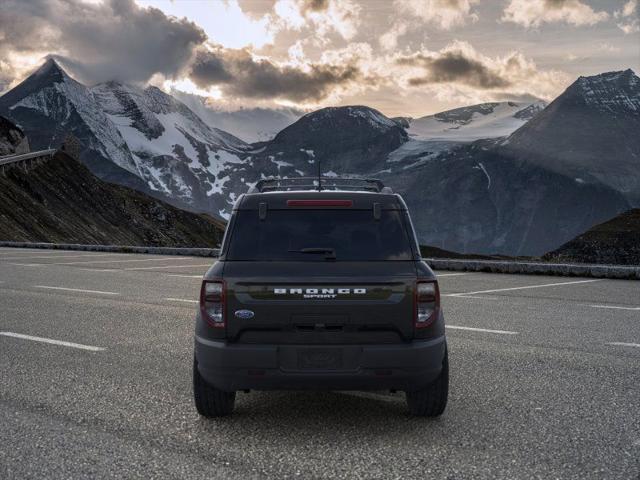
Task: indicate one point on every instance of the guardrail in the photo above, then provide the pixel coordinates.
(631, 272)
(12, 159)
(196, 252)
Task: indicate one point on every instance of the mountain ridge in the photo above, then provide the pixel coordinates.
(462, 191)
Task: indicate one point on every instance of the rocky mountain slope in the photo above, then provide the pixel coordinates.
(142, 138)
(475, 199)
(61, 201)
(524, 194)
(12, 140)
(590, 133)
(353, 139)
(616, 241)
(49, 104)
(553, 178)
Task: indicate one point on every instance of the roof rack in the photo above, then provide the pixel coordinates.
(319, 184)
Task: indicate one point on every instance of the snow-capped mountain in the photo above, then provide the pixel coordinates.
(573, 165)
(476, 122)
(590, 133)
(470, 188)
(352, 139)
(174, 151)
(250, 124)
(139, 137)
(50, 103)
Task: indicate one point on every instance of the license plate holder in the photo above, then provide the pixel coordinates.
(320, 359)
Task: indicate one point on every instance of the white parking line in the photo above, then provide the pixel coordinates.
(99, 269)
(523, 288)
(181, 300)
(486, 330)
(450, 274)
(623, 344)
(13, 252)
(24, 257)
(474, 297)
(53, 342)
(101, 261)
(76, 290)
(614, 307)
(168, 266)
(199, 277)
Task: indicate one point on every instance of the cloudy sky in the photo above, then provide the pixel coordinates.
(404, 57)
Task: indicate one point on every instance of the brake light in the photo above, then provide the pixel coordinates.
(319, 203)
(427, 302)
(212, 302)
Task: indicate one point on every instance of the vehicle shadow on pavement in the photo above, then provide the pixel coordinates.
(317, 412)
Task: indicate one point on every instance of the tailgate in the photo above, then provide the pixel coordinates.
(320, 302)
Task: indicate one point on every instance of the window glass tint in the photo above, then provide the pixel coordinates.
(352, 234)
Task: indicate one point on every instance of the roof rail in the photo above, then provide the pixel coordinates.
(319, 184)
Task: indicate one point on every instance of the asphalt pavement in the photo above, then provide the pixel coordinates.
(95, 381)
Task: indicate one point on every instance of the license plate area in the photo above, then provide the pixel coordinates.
(319, 359)
(325, 358)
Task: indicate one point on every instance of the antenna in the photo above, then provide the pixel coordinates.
(319, 177)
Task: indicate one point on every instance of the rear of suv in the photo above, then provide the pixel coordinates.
(320, 285)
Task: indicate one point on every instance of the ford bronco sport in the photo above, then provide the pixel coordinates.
(320, 285)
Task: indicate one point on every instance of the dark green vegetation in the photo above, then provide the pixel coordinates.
(616, 241)
(60, 200)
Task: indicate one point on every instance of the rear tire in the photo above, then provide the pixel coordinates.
(211, 402)
(432, 400)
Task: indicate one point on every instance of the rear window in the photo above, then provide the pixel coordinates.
(315, 235)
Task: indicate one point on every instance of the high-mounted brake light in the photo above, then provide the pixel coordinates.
(427, 301)
(319, 203)
(212, 302)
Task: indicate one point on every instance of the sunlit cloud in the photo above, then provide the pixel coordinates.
(389, 40)
(224, 22)
(240, 73)
(322, 16)
(459, 71)
(445, 14)
(628, 17)
(188, 86)
(533, 13)
(310, 53)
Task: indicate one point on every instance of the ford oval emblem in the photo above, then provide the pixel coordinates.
(244, 314)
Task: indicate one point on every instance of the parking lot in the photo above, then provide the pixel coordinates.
(95, 380)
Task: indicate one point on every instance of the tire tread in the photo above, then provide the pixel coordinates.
(432, 400)
(210, 402)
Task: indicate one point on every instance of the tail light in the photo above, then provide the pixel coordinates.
(212, 303)
(427, 302)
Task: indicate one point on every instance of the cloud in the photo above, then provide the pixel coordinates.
(112, 40)
(533, 13)
(239, 73)
(314, 6)
(626, 24)
(443, 13)
(459, 72)
(389, 39)
(453, 66)
(322, 17)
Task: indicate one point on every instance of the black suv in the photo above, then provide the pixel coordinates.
(320, 285)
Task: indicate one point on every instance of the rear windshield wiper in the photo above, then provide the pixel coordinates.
(330, 253)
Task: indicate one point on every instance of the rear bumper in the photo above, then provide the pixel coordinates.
(231, 367)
